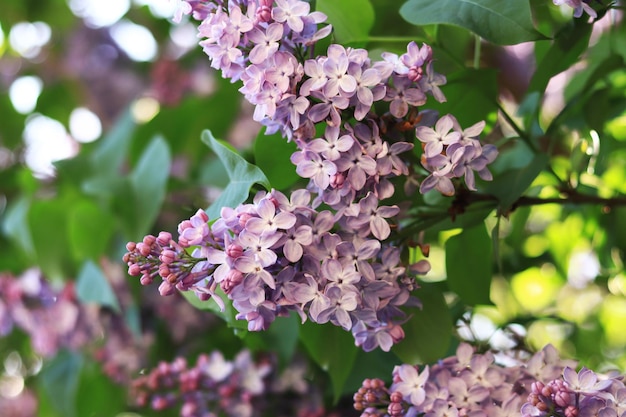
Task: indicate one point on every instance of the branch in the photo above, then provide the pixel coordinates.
(464, 200)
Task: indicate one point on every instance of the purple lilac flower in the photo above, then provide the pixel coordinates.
(451, 152)
(291, 13)
(403, 94)
(471, 384)
(435, 139)
(579, 6)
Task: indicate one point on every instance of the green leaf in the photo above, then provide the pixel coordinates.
(59, 382)
(470, 95)
(429, 331)
(90, 229)
(374, 364)
(500, 22)
(243, 175)
(93, 287)
(281, 337)
(111, 150)
(469, 265)
(349, 27)
(510, 185)
(48, 224)
(98, 395)
(566, 49)
(269, 150)
(474, 215)
(229, 313)
(149, 183)
(15, 225)
(333, 349)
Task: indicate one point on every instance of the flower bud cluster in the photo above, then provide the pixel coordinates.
(213, 386)
(471, 384)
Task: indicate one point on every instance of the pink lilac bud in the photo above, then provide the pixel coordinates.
(134, 270)
(421, 267)
(264, 11)
(396, 332)
(415, 74)
(243, 219)
(144, 249)
(165, 288)
(337, 180)
(571, 411)
(164, 271)
(168, 256)
(234, 251)
(395, 397)
(563, 398)
(149, 240)
(164, 238)
(395, 409)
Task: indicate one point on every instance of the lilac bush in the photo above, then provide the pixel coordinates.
(346, 245)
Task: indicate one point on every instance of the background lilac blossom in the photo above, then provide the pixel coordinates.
(473, 384)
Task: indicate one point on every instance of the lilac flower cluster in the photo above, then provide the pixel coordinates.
(265, 45)
(468, 384)
(213, 386)
(582, 394)
(579, 6)
(278, 255)
(451, 152)
(52, 319)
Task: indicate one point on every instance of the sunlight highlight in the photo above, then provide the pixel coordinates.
(135, 40)
(28, 38)
(159, 8)
(85, 125)
(24, 93)
(98, 13)
(46, 141)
